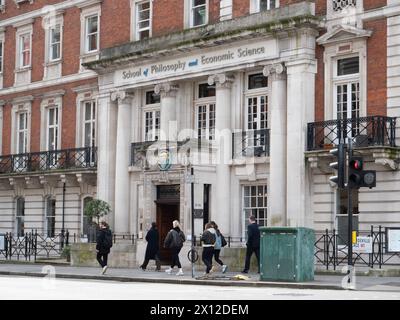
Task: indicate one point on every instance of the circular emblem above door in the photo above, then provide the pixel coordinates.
(164, 161)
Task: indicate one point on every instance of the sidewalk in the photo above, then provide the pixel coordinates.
(325, 282)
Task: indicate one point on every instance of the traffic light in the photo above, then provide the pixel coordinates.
(339, 165)
(358, 177)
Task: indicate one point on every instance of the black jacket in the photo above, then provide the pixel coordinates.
(101, 240)
(208, 238)
(152, 238)
(253, 235)
(174, 239)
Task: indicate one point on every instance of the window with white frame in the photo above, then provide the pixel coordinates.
(198, 12)
(347, 92)
(205, 111)
(22, 132)
(25, 50)
(55, 43)
(50, 217)
(152, 115)
(92, 33)
(1, 55)
(256, 121)
(262, 5)
(143, 20)
(20, 217)
(254, 204)
(89, 124)
(52, 128)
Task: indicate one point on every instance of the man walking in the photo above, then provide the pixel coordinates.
(152, 238)
(253, 244)
(103, 245)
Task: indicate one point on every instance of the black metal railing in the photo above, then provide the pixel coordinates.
(80, 158)
(331, 253)
(254, 143)
(364, 132)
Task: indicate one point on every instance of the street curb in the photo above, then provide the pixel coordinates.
(180, 281)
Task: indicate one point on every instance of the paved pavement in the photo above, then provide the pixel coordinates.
(326, 282)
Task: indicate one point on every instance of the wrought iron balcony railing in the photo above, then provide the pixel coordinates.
(364, 132)
(81, 158)
(254, 143)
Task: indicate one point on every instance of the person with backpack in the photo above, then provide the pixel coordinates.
(174, 241)
(104, 243)
(208, 242)
(219, 243)
(152, 248)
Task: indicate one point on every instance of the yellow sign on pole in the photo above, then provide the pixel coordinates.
(354, 237)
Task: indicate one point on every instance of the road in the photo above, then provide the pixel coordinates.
(24, 288)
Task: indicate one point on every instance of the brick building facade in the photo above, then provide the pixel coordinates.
(102, 79)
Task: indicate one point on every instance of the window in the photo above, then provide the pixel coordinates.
(152, 116)
(50, 217)
(347, 93)
(254, 204)
(342, 214)
(198, 12)
(143, 20)
(22, 132)
(89, 131)
(205, 112)
(86, 221)
(20, 217)
(256, 123)
(25, 50)
(55, 43)
(92, 33)
(52, 128)
(267, 5)
(1, 56)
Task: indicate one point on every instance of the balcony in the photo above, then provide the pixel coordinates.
(255, 143)
(68, 159)
(374, 136)
(364, 132)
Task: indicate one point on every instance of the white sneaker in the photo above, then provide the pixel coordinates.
(104, 270)
(180, 273)
(169, 270)
(224, 268)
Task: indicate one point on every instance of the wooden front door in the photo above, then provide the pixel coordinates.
(166, 213)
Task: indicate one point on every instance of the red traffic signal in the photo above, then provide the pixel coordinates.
(355, 172)
(356, 163)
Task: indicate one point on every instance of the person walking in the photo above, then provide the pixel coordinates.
(174, 241)
(253, 244)
(208, 241)
(219, 243)
(152, 249)
(103, 245)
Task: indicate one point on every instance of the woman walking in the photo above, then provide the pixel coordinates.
(219, 243)
(152, 238)
(103, 245)
(208, 239)
(174, 241)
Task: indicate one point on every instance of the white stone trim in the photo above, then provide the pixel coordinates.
(225, 10)
(23, 104)
(1, 127)
(133, 31)
(55, 101)
(349, 16)
(86, 13)
(19, 69)
(52, 68)
(2, 40)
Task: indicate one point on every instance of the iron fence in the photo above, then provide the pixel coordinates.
(80, 158)
(364, 131)
(330, 252)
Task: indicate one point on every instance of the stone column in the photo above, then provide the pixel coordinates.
(106, 142)
(122, 184)
(277, 176)
(168, 124)
(300, 111)
(223, 137)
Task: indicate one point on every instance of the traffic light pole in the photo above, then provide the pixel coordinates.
(350, 211)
